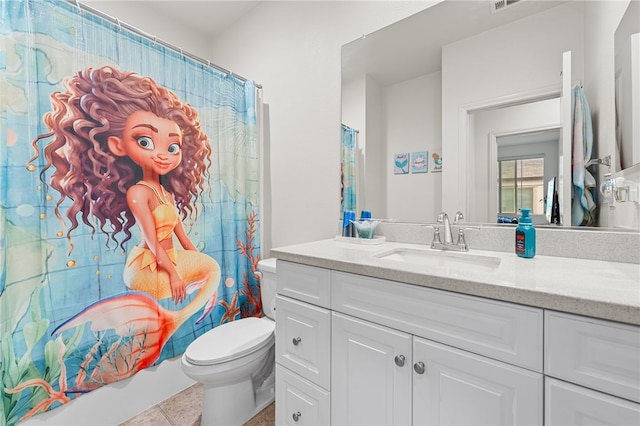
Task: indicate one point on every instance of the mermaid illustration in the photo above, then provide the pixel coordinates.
(118, 146)
(127, 151)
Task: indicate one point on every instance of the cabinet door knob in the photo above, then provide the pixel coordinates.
(419, 367)
(296, 341)
(399, 360)
(296, 416)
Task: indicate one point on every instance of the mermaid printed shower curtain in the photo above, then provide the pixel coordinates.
(128, 203)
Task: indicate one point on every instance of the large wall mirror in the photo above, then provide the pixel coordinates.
(408, 87)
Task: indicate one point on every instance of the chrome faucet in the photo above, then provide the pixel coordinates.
(448, 244)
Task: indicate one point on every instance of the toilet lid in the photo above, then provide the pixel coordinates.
(230, 340)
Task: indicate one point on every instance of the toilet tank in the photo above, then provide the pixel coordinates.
(267, 267)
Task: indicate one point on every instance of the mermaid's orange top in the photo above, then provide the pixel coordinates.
(165, 218)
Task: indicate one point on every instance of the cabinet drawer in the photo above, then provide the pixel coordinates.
(504, 331)
(303, 334)
(306, 283)
(300, 402)
(568, 404)
(598, 354)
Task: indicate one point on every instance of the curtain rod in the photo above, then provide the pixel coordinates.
(119, 23)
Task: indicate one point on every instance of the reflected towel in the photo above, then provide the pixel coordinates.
(583, 206)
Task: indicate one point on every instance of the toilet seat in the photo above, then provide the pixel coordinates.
(230, 341)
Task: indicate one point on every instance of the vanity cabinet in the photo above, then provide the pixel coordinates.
(352, 349)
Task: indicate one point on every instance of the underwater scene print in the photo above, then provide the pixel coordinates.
(129, 206)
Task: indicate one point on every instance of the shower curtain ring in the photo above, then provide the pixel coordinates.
(155, 40)
(119, 25)
(78, 6)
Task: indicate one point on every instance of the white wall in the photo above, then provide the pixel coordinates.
(412, 117)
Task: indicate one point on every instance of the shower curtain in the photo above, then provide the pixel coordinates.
(348, 169)
(84, 302)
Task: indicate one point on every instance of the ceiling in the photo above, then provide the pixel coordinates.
(208, 18)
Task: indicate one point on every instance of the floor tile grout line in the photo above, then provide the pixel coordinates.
(166, 415)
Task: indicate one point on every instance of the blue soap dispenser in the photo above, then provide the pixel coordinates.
(525, 235)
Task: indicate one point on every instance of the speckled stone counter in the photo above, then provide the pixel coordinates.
(600, 289)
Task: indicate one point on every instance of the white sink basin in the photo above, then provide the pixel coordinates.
(436, 258)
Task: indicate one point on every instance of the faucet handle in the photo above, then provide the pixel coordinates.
(436, 237)
(458, 217)
(461, 241)
(461, 238)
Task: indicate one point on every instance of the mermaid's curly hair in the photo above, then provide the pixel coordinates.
(96, 105)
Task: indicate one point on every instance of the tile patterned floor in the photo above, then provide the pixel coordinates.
(184, 408)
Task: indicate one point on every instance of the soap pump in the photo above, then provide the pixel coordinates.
(525, 235)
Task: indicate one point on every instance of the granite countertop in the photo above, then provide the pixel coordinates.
(600, 289)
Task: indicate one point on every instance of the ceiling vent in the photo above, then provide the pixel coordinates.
(498, 5)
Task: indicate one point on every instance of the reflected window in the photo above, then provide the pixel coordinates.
(521, 185)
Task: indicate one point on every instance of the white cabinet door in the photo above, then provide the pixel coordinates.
(370, 374)
(461, 388)
(568, 404)
(300, 402)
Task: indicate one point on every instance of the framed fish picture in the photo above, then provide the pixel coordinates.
(419, 162)
(401, 163)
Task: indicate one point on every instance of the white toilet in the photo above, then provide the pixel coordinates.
(235, 361)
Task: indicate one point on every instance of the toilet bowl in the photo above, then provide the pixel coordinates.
(235, 361)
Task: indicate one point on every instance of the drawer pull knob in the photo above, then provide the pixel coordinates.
(399, 360)
(419, 367)
(296, 341)
(296, 416)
